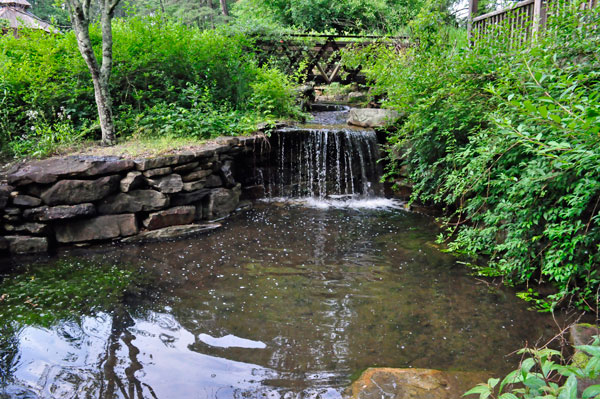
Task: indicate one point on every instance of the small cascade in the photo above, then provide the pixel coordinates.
(323, 163)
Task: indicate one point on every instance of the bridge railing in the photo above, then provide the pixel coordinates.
(319, 54)
(519, 23)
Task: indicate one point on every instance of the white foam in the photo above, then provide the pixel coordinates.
(343, 202)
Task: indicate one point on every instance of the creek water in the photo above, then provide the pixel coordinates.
(289, 299)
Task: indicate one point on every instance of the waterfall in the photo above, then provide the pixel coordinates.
(322, 163)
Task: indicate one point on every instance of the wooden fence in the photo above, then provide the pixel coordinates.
(520, 22)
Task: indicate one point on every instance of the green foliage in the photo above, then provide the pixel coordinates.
(505, 138)
(539, 376)
(341, 16)
(167, 78)
(42, 295)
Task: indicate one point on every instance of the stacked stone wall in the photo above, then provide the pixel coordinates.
(81, 199)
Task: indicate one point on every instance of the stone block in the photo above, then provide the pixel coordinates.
(160, 162)
(5, 191)
(21, 245)
(186, 167)
(132, 181)
(193, 185)
(133, 201)
(196, 175)
(167, 184)
(60, 212)
(71, 192)
(28, 228)
(26, 200)
(98, 228)
(158, 172)
(222, 202)
(170, 217)
(213, 181)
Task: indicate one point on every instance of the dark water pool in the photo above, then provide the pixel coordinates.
(284, 301)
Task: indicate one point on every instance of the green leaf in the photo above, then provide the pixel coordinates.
(591, 392)
(569, 390)
(508, 395)
(480, 389)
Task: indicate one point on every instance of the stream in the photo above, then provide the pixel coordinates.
(292, 298)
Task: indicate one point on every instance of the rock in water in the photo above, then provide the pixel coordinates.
(390, 383)
(372, 117)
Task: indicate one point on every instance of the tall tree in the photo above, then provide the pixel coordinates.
(79, 11)
(224, 7)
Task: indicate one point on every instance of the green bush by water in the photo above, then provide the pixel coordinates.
(506, 139)
(167, 77)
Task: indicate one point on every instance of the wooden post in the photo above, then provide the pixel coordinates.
(473, 6)
(537, 19)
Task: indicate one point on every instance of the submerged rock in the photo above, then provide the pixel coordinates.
(391, 383)
(372, 117)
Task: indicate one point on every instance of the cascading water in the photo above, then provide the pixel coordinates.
(323, 161)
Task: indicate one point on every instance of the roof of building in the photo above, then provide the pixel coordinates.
(18, 17)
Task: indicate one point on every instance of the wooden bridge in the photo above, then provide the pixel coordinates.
(318, 56)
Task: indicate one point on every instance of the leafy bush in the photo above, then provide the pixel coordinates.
(505, 138)
(157, 65)
(539, 376)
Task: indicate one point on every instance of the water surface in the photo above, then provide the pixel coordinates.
(284, 301)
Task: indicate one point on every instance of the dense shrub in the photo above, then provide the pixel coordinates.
(166, 76)
(505, 138)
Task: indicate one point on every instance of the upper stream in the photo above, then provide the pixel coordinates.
(284, 301)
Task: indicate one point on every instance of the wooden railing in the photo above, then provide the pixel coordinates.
(519, 23)
(320, 54)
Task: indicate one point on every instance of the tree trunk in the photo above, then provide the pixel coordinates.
(80, 20)
(224, 7)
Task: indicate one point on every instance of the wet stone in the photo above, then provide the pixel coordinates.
(227, 175)
(158, 172)
(60, 212)
(98, 228)
(168, 184)
(21, 245)
(133, 201)
(70, 192)
(26, 200)
(223, 201)
(170, 217)
(132, 181)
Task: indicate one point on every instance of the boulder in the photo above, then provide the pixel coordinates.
(21, 245)
(133, 201)
(60, 212)
(222, 202)
(29, 228)
(372, 117)
(189, 198)
(170, 217)
(196, 175)
(167, 184)
(71, 192)
(98, 228)
(390, 383)
(131, 181)
(160, 162)
(50, 170)
(158, 172)
(4, 195)
(26, 200)
(172, 232)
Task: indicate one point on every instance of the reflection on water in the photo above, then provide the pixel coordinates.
(285, 301)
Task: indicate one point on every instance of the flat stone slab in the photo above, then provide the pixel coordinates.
(170, 217)
(98, 228)
(71, 192)
(133, 201)
(49, 170)
(172, 232)
(391, 383)
(60, 212)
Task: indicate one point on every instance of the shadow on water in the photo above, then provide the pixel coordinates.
(284, 300)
